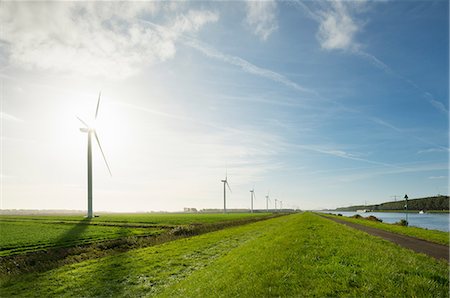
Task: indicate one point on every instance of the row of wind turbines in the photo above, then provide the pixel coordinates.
(252, 197)
(90, 130)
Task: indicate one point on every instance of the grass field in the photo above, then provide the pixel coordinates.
(21, 234)
(154, 219)
(429, 235)
(298, 255)
(20, 237)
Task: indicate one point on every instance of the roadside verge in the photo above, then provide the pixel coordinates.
(434, 250)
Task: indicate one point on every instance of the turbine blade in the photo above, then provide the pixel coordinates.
(104, 157)
(98, 104)
(228, 186)
(84, 123)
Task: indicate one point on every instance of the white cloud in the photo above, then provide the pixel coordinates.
(92, 38)
(337, 28)
(261, 18)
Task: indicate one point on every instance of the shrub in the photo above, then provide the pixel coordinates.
(402, 222)
(357, 216)
(374, 218)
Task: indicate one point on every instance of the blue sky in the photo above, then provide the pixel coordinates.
(322, 104)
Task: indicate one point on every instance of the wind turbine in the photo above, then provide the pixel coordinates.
(225, 183)
(276, 205)
(91, 131)
(281, 206)
(252, 196)
(267, 202)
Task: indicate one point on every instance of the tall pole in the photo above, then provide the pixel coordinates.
(281, 206)
(89, 168)
(251, 196)
(267, 204)
(224, 197)
(406, 209)
(276, 205)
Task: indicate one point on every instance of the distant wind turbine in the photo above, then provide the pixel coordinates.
(225, 184)
(91, 131)
(267, 202)
(281, 206)
(276, 205)
(252, 196)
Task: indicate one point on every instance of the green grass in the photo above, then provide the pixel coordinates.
(298, 255)
(25, 236)
(158, 219)
(22, 234)
(429, 235)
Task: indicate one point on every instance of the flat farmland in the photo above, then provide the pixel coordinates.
(299, 255)
(26, 236)
(23, 234)
(158, 219)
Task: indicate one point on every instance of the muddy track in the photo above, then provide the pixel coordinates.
(437, 251)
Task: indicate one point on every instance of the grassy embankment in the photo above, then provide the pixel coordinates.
(424, 234)
(297, 255)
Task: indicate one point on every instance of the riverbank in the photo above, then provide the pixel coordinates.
(435, 236)
(430, 221)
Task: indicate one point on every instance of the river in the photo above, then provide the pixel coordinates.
(431, 221)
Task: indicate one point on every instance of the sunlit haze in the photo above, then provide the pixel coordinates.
(322, 104)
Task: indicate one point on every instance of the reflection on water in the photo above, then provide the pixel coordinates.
(431, 221)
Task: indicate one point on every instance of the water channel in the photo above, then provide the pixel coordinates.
(431, 221)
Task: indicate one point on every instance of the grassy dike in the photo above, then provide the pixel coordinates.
(424, 234)
(296, 255)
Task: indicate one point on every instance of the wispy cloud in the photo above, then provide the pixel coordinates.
(248, 151)
(245, 65)
(261, 17)
(9, 117)
(91, 38)
(405, 132)
(342, 154)
(437, 177)
(338, 29)
(393, 171)
(434, 150)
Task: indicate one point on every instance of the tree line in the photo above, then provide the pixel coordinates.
(429, 203)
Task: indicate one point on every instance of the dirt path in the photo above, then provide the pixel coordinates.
(434, 250)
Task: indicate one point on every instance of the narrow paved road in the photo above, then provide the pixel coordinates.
(434, 250)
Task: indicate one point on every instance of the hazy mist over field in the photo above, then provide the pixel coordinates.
(323, 104)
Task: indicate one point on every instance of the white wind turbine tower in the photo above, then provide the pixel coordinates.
(276, 205)
(252, 196)
(225, 184)
(267, 202)
(91, 131)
